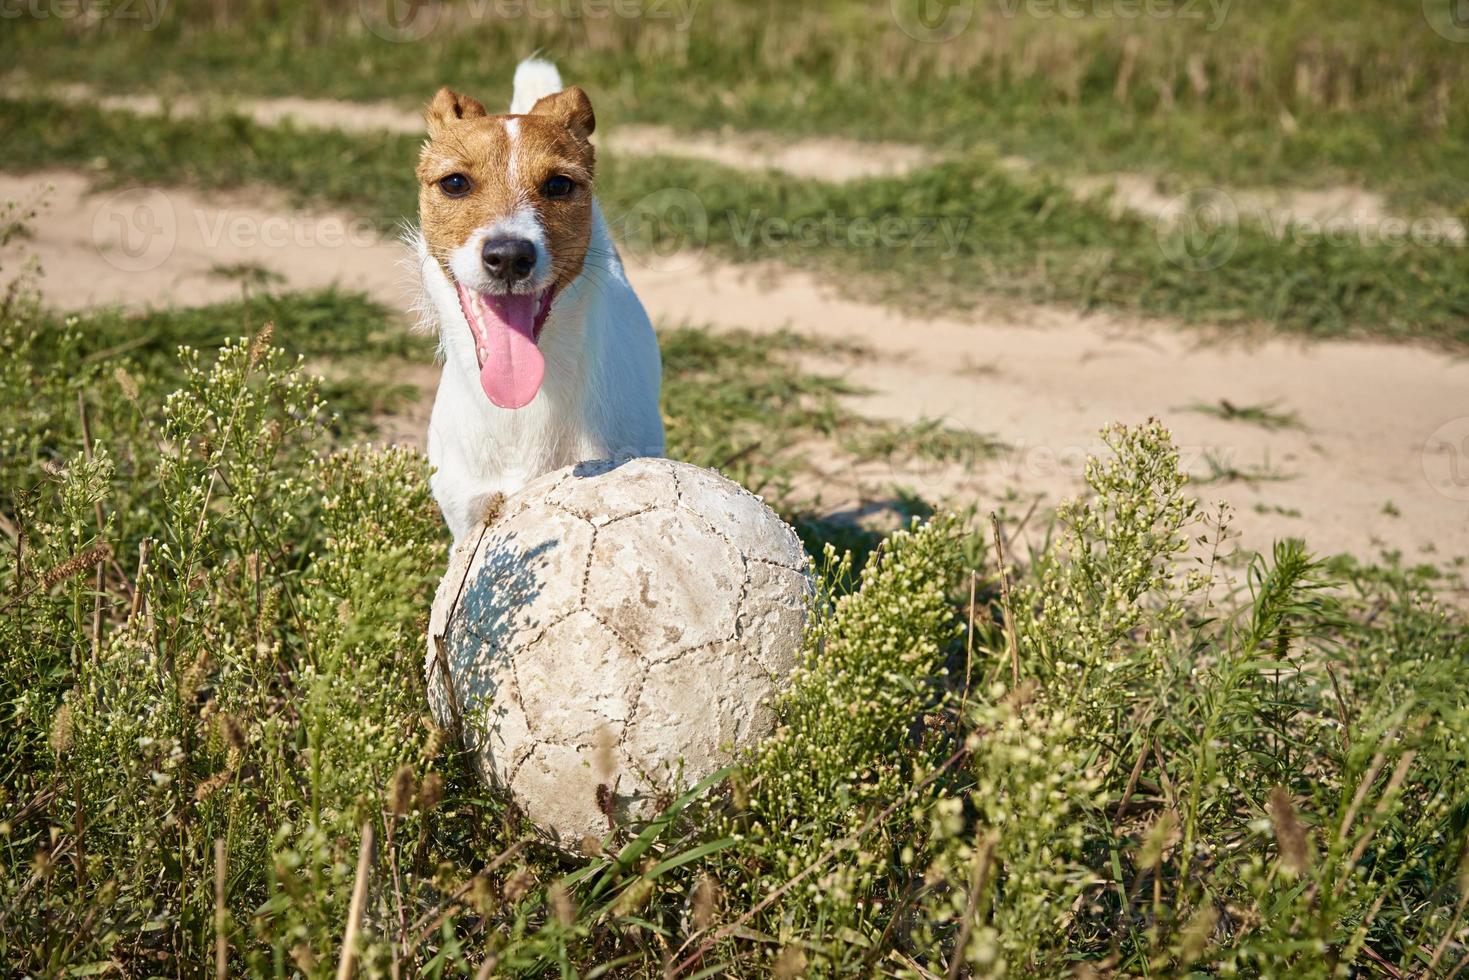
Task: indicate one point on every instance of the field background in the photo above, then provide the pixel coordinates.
(1208, 719)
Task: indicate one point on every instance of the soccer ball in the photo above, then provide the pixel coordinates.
(613, 637)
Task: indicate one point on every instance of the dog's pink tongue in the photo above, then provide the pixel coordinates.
(511, 366)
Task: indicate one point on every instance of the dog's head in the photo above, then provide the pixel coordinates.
(505, 204)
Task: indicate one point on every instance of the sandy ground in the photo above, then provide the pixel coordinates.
(1355, 212)
(1381, 459)
(822, 158)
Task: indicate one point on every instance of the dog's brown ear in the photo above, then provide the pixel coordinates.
(448, 106)
(571, 108)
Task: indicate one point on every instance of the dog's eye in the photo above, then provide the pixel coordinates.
(558, 186)
(454, 185)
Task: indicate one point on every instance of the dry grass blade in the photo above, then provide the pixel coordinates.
(1389, 792)
(1011, 644)
(978, 881)
(137, 602)
(1379, 759)
(1462, 881)
(101, 525)
(221, 913)
(441, 655)
(348, 962)
(968, 645)
(1135, 775)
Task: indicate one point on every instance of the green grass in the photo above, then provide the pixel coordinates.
(738, 402)
(360, 339)
(1349, 91)
(1222, 469)
(1265, 416)
(1102, 757)
(1004, 235)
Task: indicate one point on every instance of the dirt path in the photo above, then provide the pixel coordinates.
(821, 158)
(1355, 212)
(1380, 458)
(1331, 210)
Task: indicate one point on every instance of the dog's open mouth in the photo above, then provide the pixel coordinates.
(507, 329)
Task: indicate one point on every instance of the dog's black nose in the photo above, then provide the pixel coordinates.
(509, 259)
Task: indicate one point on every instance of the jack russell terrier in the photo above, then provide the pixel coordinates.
(549, 357)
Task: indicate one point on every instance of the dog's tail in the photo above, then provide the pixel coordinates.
(535, 78)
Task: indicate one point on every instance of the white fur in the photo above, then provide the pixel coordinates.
(512, 133)
(599, 398)
(467, 261)
(535, 78)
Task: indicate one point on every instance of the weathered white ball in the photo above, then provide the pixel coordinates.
(613, 636)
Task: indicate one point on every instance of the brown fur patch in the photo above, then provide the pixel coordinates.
(571, 108)
(448, 106)
(508, 173)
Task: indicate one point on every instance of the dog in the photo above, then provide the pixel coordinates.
(549, 357)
